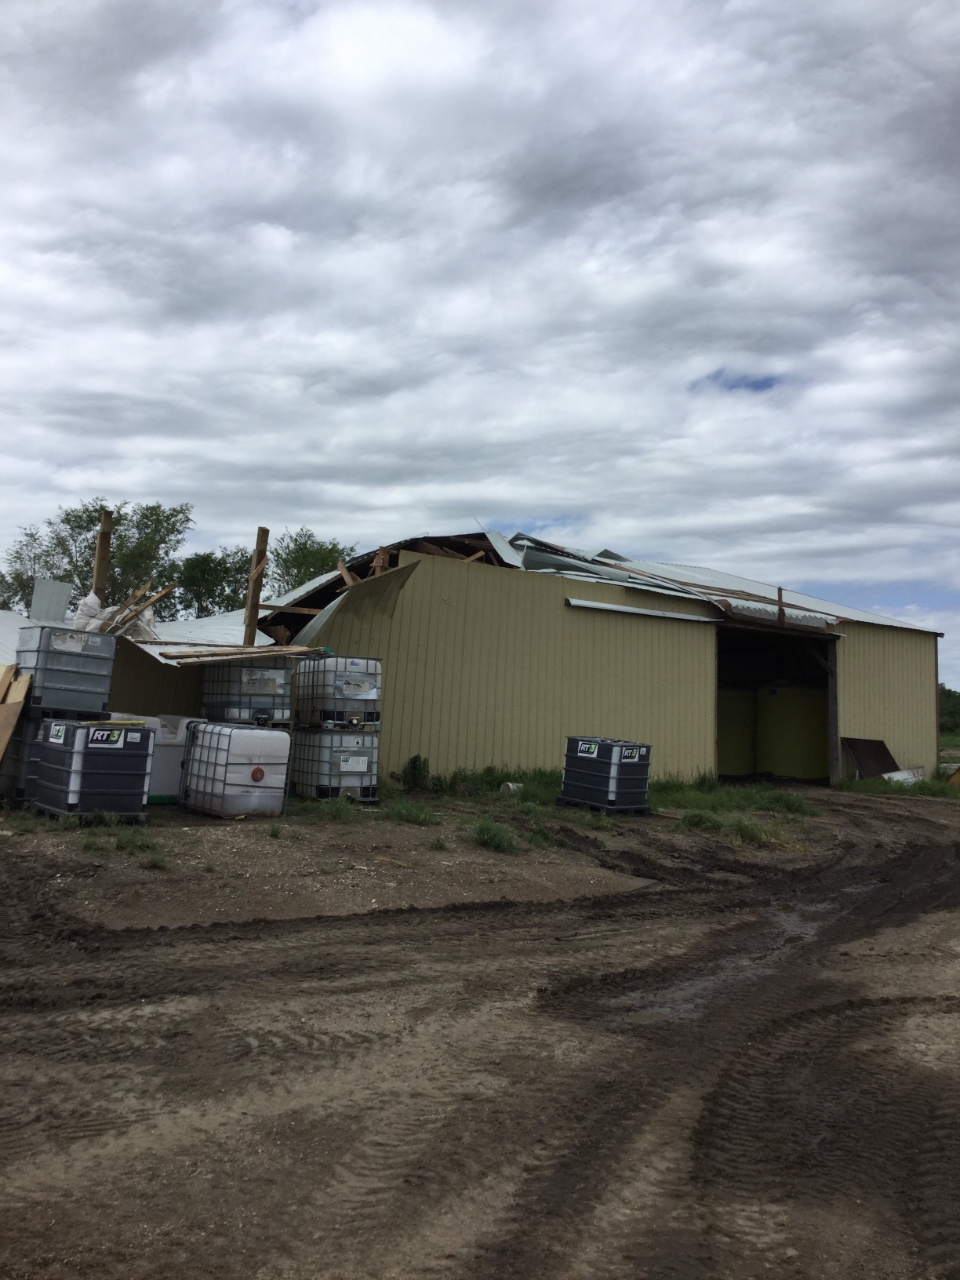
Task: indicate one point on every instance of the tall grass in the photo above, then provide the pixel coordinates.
(415, 811)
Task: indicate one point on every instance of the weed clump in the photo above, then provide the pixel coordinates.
(275, 830)
(415, 811)
(700, 820)
(491, 835)
(155, 862)
(339, 809)
(132, 840)
(439, 844)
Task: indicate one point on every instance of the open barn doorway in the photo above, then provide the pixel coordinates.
(774, 694)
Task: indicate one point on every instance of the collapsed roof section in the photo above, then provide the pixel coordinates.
(301, 613)
(375, 577)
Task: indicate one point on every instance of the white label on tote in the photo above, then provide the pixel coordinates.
(587, 749)
(69, 641)
(354, 764)
(269, 681)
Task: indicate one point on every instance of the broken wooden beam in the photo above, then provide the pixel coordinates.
(258, 562)
(101, 557)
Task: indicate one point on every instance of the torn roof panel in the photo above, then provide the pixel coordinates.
(298, 593)
(705, 584)
(221, 628)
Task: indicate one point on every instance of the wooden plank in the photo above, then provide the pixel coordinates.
(380, 562)
(287, 608)
(11, 709)
(101, 557)
(6, 676)
(131, 600)
(119, 623)
(18, 690)
(431, 549)
(348, 577)
(258, 562)
(479, 556)
(262, 651)
(236, 651)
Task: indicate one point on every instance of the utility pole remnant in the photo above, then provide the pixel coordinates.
(101, 557)
(258, 562)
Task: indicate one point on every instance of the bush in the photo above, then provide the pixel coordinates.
(415, 811)
(492, 836)
(949, 710)
(415, 774)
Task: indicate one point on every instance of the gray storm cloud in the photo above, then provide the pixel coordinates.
(680, 280)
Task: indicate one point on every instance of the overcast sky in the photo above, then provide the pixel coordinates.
(679, 280)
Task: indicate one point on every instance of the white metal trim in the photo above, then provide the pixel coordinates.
(643, 613)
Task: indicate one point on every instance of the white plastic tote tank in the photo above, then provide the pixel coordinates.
(229, 769)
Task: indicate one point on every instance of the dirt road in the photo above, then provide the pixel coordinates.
(755, 1075)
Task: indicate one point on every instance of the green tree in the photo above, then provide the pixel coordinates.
(949, 710)
(26, 561)
(297, 557)
(146, 536)
(213, 582)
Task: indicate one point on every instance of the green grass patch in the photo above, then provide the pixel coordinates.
(748, 830)
(540, 786)
(339, 809)
(93, 844)
(133, 840)
(700, 820)
(706, 794)
(884, 787)
(155, 862)
(733, 826)
(415, 811)
(491, 835)
(439, 844)
(99, 818)
(276, 830)
(950, 742)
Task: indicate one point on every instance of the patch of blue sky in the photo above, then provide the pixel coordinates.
(724, 379)
(885, 597)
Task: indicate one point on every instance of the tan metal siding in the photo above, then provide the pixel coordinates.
(146, 687)
(887, 688)
(489, 666)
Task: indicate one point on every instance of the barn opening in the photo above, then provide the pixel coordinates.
(773, 704)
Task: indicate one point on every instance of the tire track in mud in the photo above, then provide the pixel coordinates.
(566, 1093)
